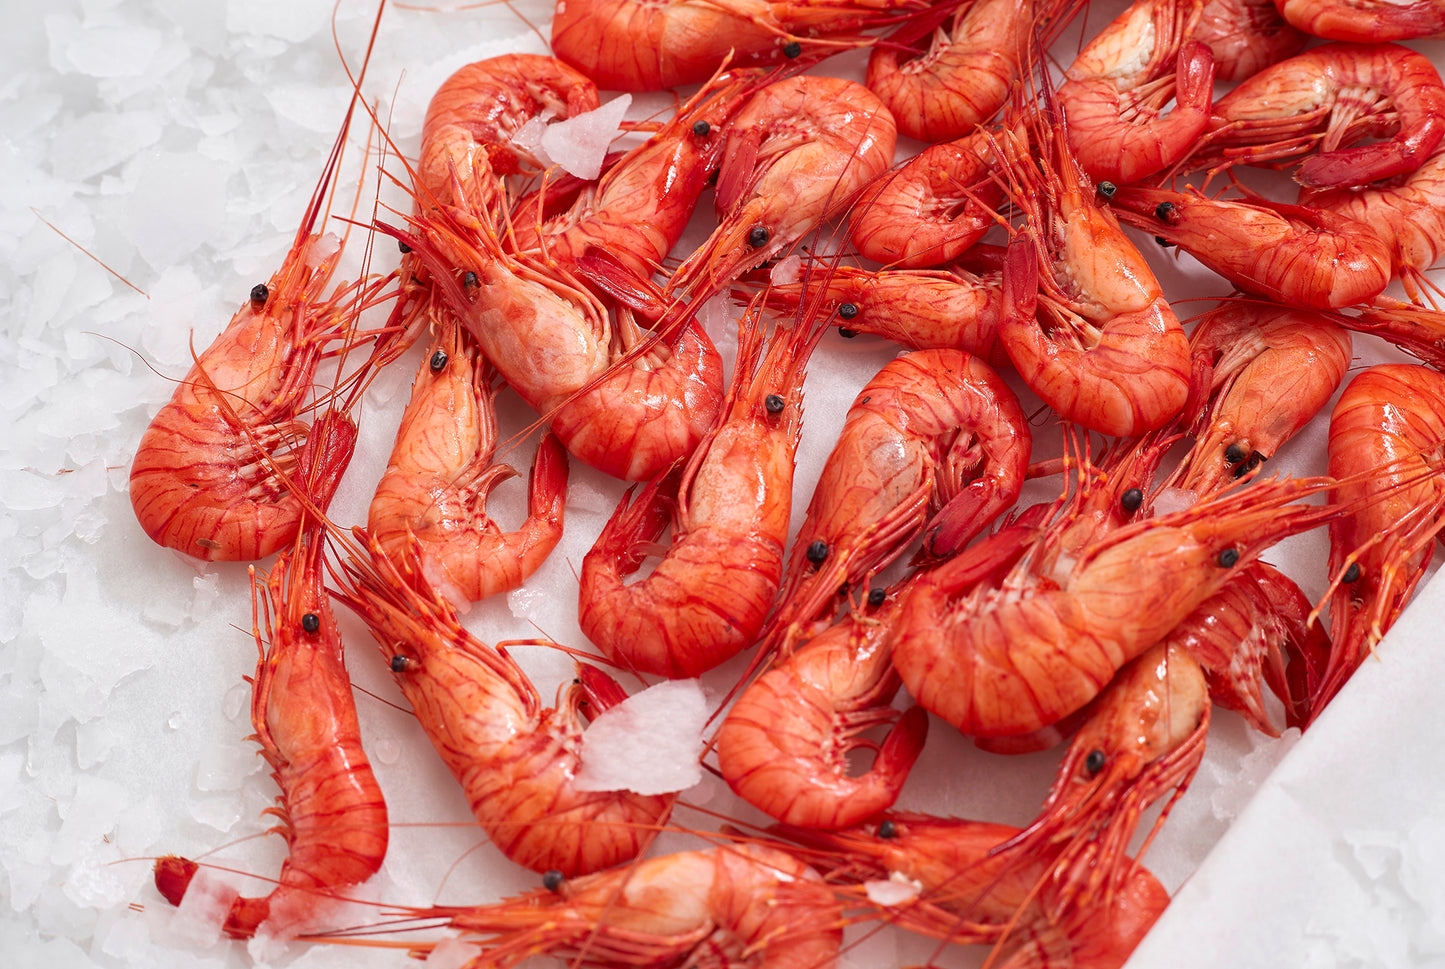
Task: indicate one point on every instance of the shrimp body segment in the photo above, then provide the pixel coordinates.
(935, 433)
(783, 746)
(1246, 36)
(1274, 368)
(798, 152)
(1390, 423)
(517, 763)
(210, 473)
(708, 597)
(434, 492)
(1365, 21)
(1114, 96)
(1014, 658)
(931, 208)
(730, 905)
(1331, 96)
(331, 809)
(1297, 255)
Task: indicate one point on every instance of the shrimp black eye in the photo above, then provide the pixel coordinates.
(1228, 558)
(848, 311)
(1167, 213)
(403, 247)
(259, 294)
(438, 360)
(1352, 574)
(552, 879)
(846, 333)
(1106, 190)
(470, 280)
(701, 128)
(792, 49)
(1131, 500)
(757, 237)
(311, 622)
(887, 829)
(817, 551)
(1163, 241)
(774, 404)
(1094, 762)
(401, 664)
(1234, 454)
(876, 597)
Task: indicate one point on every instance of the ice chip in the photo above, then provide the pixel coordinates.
(649, 743)
(94, 883)
(523, 602)
(225, 767)
(786, 270)
(202, 912)
(579, 144)
(529, 137)
(896, 889)
(450, 954)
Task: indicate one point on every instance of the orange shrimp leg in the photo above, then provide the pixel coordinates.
(331, 809)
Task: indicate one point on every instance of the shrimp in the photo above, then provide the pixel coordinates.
(1274, 368)
(1246, 36)
(435, 489)
(969, 69)
(1418, 330)
(1142, 736)
(1365, 21)
(331, 809)
(930, 209)
(1084, 319)
(783, 746)
(1256, 631)
(627, 45)
(1407, 212)
(729, 905)
(934, 433)
(211, 475)
(1296, 255)
(1389, 424)
(1114, 93)
(638, 209)
(470, 122)
(708, 597)
(516, 762)
(1039, 909)
(1012, 658)
(920, 309)
(797, 152)
(1328, 97)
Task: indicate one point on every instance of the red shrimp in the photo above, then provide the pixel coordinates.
(1387, 436)
(1365, 21)
(969, 69)
(708, 597)
(1274, 368)
(1039, 909)
(920, 309)
(931, 208)
(516, 762)
(1084, 319)
(1115, 92)
(331, 809)
(935, 434)
(731, 905)
(1297, 255)
(435, 489)
(1326, 98)
(1142, 738)
(784, 745)
(640, 206)
(1013, 657)
(1255, 632)
(627, 45)
(797, 152)
(1407, 212)
(1418, 330)
(1246, 36)
(467, 135)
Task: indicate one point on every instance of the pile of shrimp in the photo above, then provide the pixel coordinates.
(1044, 525)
